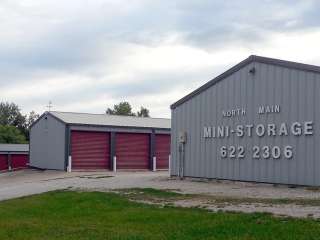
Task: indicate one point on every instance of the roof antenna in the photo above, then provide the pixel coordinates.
(49, 106)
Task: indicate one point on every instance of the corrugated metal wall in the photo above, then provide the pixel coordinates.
(47, 144)
(298, 94)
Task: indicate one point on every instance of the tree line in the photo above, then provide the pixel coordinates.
(14, 126)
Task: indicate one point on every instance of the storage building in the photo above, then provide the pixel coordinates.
(14, 156)
(65, 140)
(259, 121)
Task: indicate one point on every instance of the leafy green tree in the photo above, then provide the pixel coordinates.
(11, 134)
(144, 112)
(10, 114)
(123, 108)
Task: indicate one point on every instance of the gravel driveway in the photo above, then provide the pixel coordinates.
(27, 182)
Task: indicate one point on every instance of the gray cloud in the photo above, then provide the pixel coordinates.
(217, 23)
(147, 84)
(39, 40)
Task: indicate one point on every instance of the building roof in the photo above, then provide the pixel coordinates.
(250, 59)
(111, 120)
(14, 147)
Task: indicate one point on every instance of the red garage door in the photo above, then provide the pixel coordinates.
(132, 151)
(162, 151)
(90, 150)
(3, 162)
(19, 161)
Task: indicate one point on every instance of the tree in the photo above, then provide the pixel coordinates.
(31, 118)
(11, 134)
(144, 112)
(123, 108)
(10, 115)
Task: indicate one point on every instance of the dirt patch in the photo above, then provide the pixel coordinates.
(289, 210)
(302, 208)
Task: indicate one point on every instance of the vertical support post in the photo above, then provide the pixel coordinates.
(169, 164)
(67, 148)
(154, 164)
(114, 165)
(152, 149)
(113, 151)
(9, 159)
(69, 168)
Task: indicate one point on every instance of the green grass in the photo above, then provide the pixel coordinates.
(94, 215)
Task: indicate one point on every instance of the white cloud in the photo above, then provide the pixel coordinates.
(88, 55)
(297, 46)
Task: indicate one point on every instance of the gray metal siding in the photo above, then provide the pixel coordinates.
(298, 94)
(47, 144)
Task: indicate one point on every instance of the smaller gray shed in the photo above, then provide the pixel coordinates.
(99, 141)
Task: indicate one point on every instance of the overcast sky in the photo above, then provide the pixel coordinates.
(86, 55)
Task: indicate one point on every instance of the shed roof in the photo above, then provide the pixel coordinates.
(14, 147)
(250, 59)
(111, 120)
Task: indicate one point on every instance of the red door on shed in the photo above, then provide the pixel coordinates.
(90, 150)
(3, 162)
(162, 150)
(132, 150)
(19, 161)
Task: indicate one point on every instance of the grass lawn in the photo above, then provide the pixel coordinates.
(94, 215)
